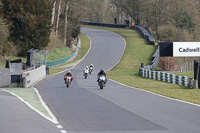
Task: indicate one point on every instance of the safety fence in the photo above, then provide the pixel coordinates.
(187, 67)
(63, 60)
(167, 77)
(102, 24)
(142, 30)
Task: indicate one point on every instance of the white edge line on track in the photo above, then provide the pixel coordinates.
(157, 94)
(122, 52)
(40, 113)
(46, 107)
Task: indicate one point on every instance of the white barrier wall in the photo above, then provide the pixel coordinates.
(31, 77)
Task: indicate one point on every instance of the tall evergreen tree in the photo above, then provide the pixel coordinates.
(30, 23)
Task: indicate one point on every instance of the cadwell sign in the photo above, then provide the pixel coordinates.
(186, 49)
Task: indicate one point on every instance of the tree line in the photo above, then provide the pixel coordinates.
(170, 20)
(28, 24)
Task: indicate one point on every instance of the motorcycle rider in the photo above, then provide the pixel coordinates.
(86, 68)
(91, 66)
(100, 74)
(70, 75)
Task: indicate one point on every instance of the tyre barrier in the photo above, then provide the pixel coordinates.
(167, 77)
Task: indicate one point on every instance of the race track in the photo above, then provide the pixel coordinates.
(84, 108)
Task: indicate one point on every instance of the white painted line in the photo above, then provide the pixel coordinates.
(54, 119)
(122, 52)
(59, 126)
(63, 131)
(40, 113)
(157, 94)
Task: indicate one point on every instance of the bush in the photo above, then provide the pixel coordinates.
(167, 63)
(167, 33)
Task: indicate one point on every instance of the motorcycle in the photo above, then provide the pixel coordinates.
(68, 81)
(85, 73)
(90, 70)
(102, 81)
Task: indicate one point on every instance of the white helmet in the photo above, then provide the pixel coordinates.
(86, 67)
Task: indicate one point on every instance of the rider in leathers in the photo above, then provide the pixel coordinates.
(100, 74)
(68, 74)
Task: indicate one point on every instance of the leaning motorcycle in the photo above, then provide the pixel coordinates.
(102, 81)
(85, 73)
(68, 81)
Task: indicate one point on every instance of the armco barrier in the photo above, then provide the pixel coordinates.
(103, 24)
(167, 77)
(31, 77)
(64, 60)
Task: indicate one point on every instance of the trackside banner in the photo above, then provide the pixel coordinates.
(186, 49)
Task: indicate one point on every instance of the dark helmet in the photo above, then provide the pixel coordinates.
(101, 70)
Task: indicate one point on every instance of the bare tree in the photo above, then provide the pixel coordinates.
(65, 22)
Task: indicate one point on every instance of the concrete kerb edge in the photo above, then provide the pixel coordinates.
(157, 94)
(31, 107)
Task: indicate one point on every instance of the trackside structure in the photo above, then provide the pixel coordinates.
(167, 77)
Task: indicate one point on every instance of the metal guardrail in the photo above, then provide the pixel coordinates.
(103, 24)
(63, 60)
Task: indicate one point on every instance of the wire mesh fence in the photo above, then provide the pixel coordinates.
(36, 58)
(63, 60)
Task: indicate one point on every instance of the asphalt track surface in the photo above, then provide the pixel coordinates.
(84, 108)
(17, 117)
(4, 77)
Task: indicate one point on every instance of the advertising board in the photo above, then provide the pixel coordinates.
(186, 49)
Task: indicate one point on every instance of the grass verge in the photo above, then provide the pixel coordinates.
(58, 53)
(85, 45)
(188, 74)
(29, 95)
(127, 70)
